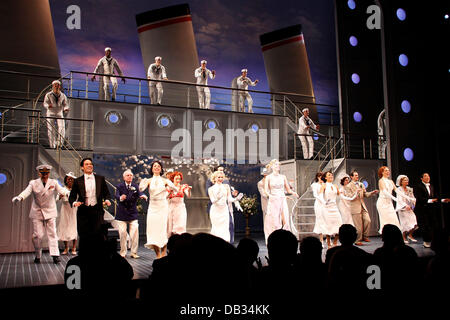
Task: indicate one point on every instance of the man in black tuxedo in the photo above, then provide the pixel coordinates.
(425, 210)
(88, 193)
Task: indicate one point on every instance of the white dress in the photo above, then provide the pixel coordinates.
(67, 226)
(158, 210)
(264, 198)
(219, 214)
(385, 208)
(331, 214)
(276, 206)
(344, 208)
(319, 226)
(408, 220)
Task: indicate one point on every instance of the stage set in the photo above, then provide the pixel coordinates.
(275, 91)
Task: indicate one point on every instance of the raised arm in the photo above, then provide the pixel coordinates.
(288, 187)
(214, 196)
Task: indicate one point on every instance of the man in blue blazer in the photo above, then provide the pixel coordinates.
(127, 195)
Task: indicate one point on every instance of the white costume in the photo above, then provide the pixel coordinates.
(344, 207)
(307, 141)
(156, 72)
(319, 225)
(106, 66)
(220, 196)
(385, 207)
(67, 226)
(243, 83)
(204, 95)
(56, 105)
(43, 213)
(331, 214)
(264, 197)
(158, 209)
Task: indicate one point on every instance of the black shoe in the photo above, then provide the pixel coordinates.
(37, 260)
(56, 259)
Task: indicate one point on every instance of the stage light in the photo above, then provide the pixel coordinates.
(406, 106)
(401, 14)
(353, 41)
(211, 124)
(351, 4)
(355, 78)
(315, 136)
(164, 121)
(357, 116)
(365, 184)
(113, 117)
(408, 154)
(3, 178)
(446, 16)
(403, 59)
(255, 127)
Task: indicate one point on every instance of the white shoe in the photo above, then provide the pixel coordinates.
(406, 241)
(427, 244)
(411, 239)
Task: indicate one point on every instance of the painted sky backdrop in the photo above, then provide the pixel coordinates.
(227, 35)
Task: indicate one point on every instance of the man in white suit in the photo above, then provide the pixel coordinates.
(202, 74)
(43, 211)
(57, 105)
(243, 82)
(304, 125)
(107, 65)
(156, 71)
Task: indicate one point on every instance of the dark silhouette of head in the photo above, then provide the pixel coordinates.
(282, 247)
(248, 250)
(391, 236)
(311, 249)
(347, 234)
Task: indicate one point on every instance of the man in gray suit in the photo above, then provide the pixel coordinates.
(358, 209)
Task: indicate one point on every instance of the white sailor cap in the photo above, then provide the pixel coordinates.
(203, 61)
(108, 48)
(305, 109)
(158, 58)
(265, 171)
(399, 179)
(71, 174)
(244, 70)
(56, 81)
(44, 168)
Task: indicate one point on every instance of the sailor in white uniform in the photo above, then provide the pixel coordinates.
(202, 74)
(243, 82)
(43, 210)
(56, 104)
(107, 65)
(156, 71)
(304, 125)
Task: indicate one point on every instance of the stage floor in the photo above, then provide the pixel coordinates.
(19, 270)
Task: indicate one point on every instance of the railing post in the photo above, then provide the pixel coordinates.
(38, 127)
(188, 98)
(295, 146)
(284, 105)
(139, 99)
(364, 148)
(3, 122)
(87, 85)
(71, 83)
(370, 148)
(28, 89)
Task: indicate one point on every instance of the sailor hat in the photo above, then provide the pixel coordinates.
(244, 70)
(71, 174)
(108, 48)
(203, 61)
(56, 81)
(44, 168)
(158, 58)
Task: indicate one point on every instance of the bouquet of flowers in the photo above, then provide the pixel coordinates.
(249, 205)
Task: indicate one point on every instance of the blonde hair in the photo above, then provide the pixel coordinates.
(271, 163)
(215, 174)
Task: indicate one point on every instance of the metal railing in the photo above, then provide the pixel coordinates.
(358, 146)
(14, 123)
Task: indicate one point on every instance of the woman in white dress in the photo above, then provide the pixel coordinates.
(220, 196)
(176, 223)
(276, 185)
(158, 208)
(344, 203)
(319, 225)
(386, 211)
(331, 214)
(406, 201)
(67, 226)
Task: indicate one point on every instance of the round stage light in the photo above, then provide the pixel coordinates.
(357, 116)
(401, 14)
(255, 127)
(113, 117)
(351, 4)
(355, 78)
(315, 136)
(1, 115)
(211, 124)
(353, 41)
(408, 154)
(365, 184)
(446, 16)
(164, 121)
(403, 59)
(406, 106)
(3, 178)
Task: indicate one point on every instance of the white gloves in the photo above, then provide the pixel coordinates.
(16, 199)
(238, 206)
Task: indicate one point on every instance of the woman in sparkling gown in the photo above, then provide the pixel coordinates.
(67, 226)
(220, 196)
(405, 204)
(158, 208)
(176, 223)
(331, 214)
(386, 211)
(276, 185)
(319, 225)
